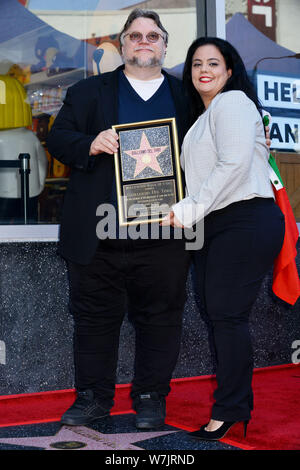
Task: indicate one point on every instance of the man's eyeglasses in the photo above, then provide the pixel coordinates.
(153, 36)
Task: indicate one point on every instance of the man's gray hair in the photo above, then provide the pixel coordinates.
(139, 13)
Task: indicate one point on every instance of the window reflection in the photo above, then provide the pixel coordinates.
(265, 33)
(48, 45)
(17, 137)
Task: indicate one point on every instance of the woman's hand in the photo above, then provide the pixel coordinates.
(106, 141)
(172, 220)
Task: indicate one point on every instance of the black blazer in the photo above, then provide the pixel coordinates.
(91, 106)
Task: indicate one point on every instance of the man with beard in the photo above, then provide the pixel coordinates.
(145, 277)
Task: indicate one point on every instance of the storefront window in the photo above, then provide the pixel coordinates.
(46, 46)
(265, 32)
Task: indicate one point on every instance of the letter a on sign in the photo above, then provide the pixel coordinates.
(261, 13)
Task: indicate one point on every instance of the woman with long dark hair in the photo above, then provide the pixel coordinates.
(225, 160)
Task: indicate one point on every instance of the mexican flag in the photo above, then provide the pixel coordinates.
(286, 283)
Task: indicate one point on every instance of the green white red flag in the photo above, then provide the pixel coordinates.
(286, 283)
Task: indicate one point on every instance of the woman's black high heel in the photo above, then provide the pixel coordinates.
(218, 433)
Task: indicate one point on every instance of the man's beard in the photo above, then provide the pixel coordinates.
(137, 61)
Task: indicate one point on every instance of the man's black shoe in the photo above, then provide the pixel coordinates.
(84, 410)
(150, 410)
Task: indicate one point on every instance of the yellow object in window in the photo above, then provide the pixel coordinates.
(15, 110)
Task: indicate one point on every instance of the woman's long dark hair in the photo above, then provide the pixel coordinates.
(239, 79)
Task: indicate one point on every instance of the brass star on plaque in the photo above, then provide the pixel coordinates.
(146, 156)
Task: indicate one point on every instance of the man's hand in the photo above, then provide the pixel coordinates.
(106, 141)
(268, 140)
(266, 121)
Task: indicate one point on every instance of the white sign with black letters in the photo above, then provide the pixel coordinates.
(278, 92)
(285, 133)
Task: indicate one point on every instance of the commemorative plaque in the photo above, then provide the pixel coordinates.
(148, 174)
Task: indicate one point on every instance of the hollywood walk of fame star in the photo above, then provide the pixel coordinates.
(146, 156)
(92, 439)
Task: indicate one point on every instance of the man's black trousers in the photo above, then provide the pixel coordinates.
(146, 278)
